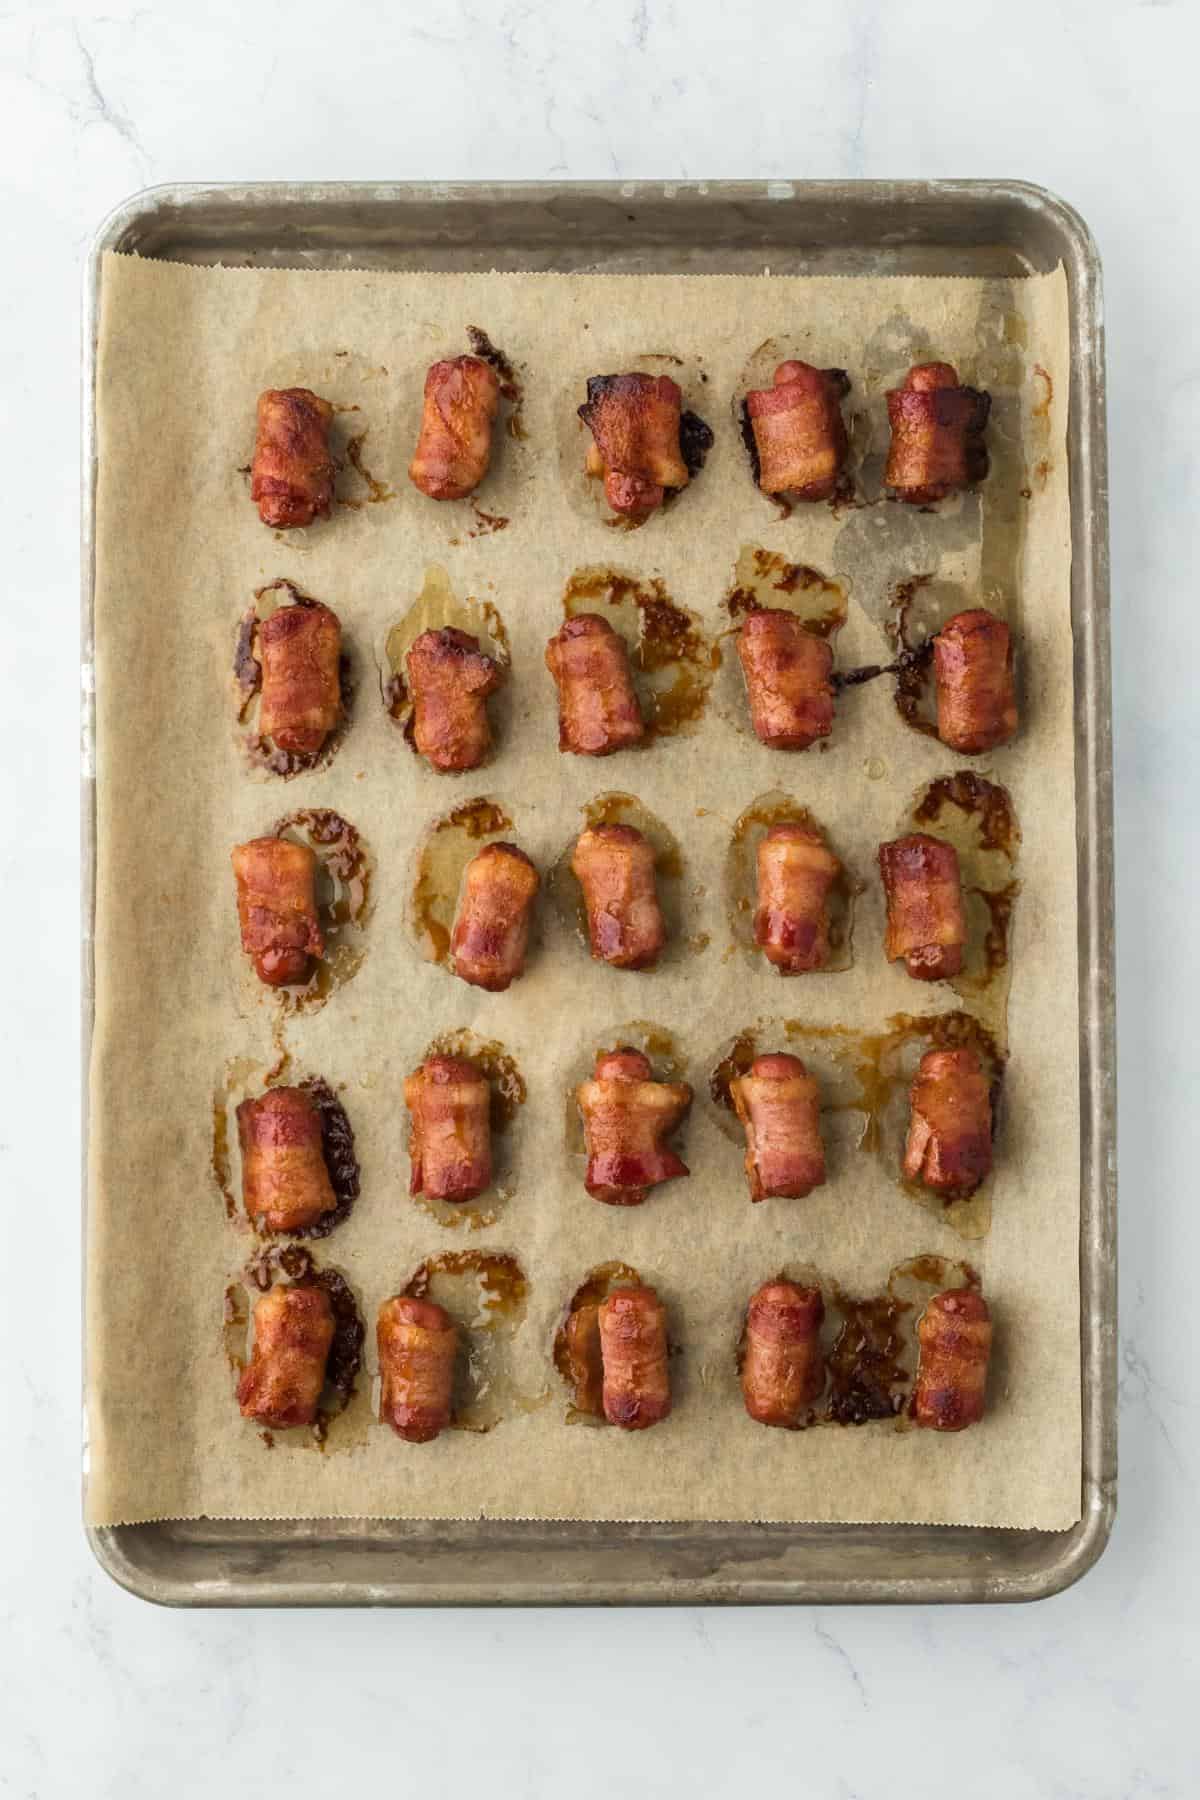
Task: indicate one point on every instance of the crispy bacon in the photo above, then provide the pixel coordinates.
(799, 432)
(949, 1147)
(937, 442)
(779, 1105)
(633, 1340)
(417, 1344)
(926, 924)
(787, 672)
(277, 908)
(973, 670)
(598, 710)
(627, 1117)
(449, 679)
(300, 650)
(285, 1180)
(455, 444)
(491, 932)
(293, 1332)
(291, 479)
(614, 865)
(783, 1369)
(796, 870)
(450, 1145)
(955, 1336)
(634, 420)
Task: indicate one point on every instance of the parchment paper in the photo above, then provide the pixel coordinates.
(183, 354)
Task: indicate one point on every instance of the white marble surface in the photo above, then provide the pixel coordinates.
(1091, 1695)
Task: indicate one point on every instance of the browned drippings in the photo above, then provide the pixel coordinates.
(511, 387)
(1042, 409)
(444, 855)
(867, 1376)
(234, 1316)
(486, 522)
(741, 877)
(486, 1293)
(764, 578)
(990, 808)
(596, 1286)
(735, 1063)
(376, 490)
(343, 888)
(913, 662)
(671, 654)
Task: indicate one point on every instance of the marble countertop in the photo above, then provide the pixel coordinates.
(1084, 1697)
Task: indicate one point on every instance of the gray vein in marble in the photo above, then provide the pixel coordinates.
(835, 1647)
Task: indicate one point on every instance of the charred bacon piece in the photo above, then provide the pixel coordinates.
(937, 442)
(635, 421)
(291, 479)
(300, 648)
(455, 442)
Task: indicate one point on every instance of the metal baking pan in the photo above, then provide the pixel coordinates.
(968, 228)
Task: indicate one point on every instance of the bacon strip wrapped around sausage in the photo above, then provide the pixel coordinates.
(799, 432)
(598, 709)
(291, 477)
(796, 870)
(277, 908)
(783, 1369)
(449, 679)
(633, 1342)
(293, 1333)
(300, 648)
(491, 932)
(584, 1360)
(955, 1336)
(450, 1145)
(285, 1179)
(973, 672)
(634, 420)
(949, 1148)
(779, 1105)
(417, 1344)
(926, 924)
(937, 442)
(614, 865)
(627, 1117)
(787, 672)
(455, 443)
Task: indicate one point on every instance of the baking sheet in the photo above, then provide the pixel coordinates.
(180, 550)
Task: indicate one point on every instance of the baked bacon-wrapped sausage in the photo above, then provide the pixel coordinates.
(949, 1146)
(779, 1105)
(937, 442)
(450, 1145)
(277, 908)
(955, 1336)
(633, 1343)
(973, 673)
(798, 431)
(634, 420)
(614, 865)
(300, 648)
(293, 1332)
(627, 1117)
(787, 672)
(455, 444)
(449, 680)
(417, 1343)
(285, 1180)
(783, 1370)
(491, 932)
(598, 709)
(796, 870)
(291, 477)
(584, 1361)
(926, 924)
